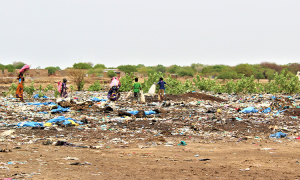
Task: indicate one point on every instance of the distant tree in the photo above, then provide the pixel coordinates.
(143, 70)
(97, 72)
(111, 73)
(294, 67)
(227, 75)
(18, 65)
(57, 68)
(140, 65)
(219, 68)
(39, 67)
(127, 68)
(173, 69)
(77, 75)
(274, 66)
(10, 68)
(259, 75)
(99, 66)
(90, 63)
(2, 67)
(185, 72)
(82, 66)
(244, 69)
(205, 70)
(150, 71)
(198, 67)
(160, 68)
(51, 69)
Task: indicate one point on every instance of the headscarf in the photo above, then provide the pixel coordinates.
(114, 82)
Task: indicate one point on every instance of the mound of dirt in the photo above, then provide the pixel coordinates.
(293, 112)
(184, 97)
(203, 97)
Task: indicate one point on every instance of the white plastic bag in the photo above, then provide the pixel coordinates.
(142, 97)
(152, 90)
(128, 94)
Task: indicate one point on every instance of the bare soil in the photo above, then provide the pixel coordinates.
(139, 159)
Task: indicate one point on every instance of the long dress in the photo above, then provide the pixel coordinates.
(113, 93)
(64, 93)
(20, 88)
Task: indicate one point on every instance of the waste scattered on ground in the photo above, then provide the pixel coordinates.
(89, 121)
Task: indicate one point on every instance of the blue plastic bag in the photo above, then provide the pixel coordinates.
(278, 135)
(249, 110)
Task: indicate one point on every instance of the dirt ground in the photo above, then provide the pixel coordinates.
(199, 159)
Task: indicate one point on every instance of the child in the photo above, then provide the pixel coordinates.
(136, 89)
(161, 89)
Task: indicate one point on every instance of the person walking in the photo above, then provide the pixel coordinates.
(136, 90)
(20, 87)
(64, 93)
(162, 88)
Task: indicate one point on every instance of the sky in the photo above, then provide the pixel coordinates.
(150, 32)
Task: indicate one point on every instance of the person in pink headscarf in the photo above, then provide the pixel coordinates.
(115, 82)
(113, 93)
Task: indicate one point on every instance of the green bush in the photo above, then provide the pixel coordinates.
(56, 93)
(111, 73)
(82, 66)
(5, 93)
(126, 82)
(30, 90)
(95, 87)
(97, 72)
(127, 68)
(152, 78)
(13, 87)
(50, 87)
(185, 72)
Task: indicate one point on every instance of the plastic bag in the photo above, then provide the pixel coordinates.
(24, 68)
(128, 94)
(59, 87)
(152, 90)
(142, 97)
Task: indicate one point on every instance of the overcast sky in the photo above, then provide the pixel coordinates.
(117, 32)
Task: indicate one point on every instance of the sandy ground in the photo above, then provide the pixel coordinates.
(199, 159)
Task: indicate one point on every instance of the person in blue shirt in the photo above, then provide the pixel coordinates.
(161, 89)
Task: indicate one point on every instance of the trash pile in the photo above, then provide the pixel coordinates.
(192, 114)
(89, 120)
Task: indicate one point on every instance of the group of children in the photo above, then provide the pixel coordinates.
(137, 87)
(113, 93)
